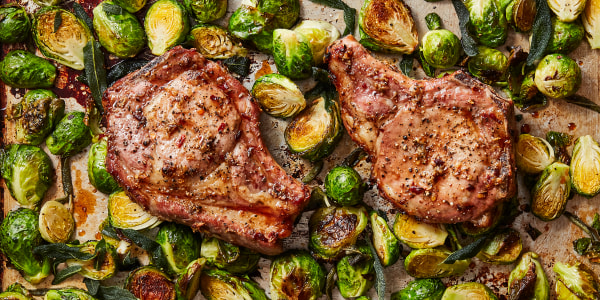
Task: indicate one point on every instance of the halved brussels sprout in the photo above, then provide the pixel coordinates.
(533, 154)
(355, 272)
(118, 30)
(205, 11)
(563, 293)
(17, 288)
(15, 26)
(567, 10)
(131, 6)
(505, 248)
(56, 222)
(166, 25)
(558, 76)
(292, 54)
(180, 245)
(528, 280)
(488, 22)
(22, 69)
(488, 221)
(566, 37)
(427, 263)
(579, 279)
(489, 65)
(320, 34)
(529, 97)
(36, 114)
(585, 166)
(63, 43)
(106, 270)
(44, 3)
(229, 257)
(188, 283)
(278, 96)
(296, 275)
(521, 14)
(215, 42)
(421, 289)
(70, 136)
(70, 294)
(332, 229)
(126, 214)
(13, 296)
(97, 173)
(441, 48)
(469, 290)
(591, 23)
(417, 234)
(551, 192)
(314, 133)
(386, 244)
(219, 284)
(148, 282)
(387, 25)
(285, 12)
(344, 186)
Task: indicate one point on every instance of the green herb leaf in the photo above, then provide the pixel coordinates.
(541, 32)
(379, 275)
(123, 68)
(596, 222)
(100, 254)
(581, 245)
(153, 248)
(583, 102)
(112, 9)
(314, 171)
(110, 231)
(592, 232)
(65, 172)
(349, 13)
(468, 43)
(238, 64)
(92, 286)
(406, 64)
(61, 252)
(65, 273)
(79, 11)
(468, 251)
(115, 293)
(57, 21)
(93, 60)
(330, 282)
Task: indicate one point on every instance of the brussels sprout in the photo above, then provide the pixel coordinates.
(567, 10)
(521, 14)
(591, 23)
(70, 294)
(292, 54)
(13, 296)
(44, 3)
(585, 166)
(551, 192)
(126, 214)
(215, 42)
(563, 293)
(504, 248)
(123, 245)
(22, 69)
(285, 12)
(70, 136)
(560, 141)
(387, 25)
(188, 283)
(296, 275)
(15, 26)
(229, 257)
(99, 177)
(105, 270)
(19, 235)
(433, 21)
(488, 221)
(356, 273)
(248, 21)
(529, 96)
(17, 288)
(528, 280)
(427, 263)
(205, 11)
(421, 289)
(320, 34)
(278, 96)
(63, 43)
(332, 229)
(28, 173)
(148, 282)
(566, 37)
(489, 65)
(180, 245)
(166, 25)
(221, 285)
(314, 133)
(131, 6)
(56, 223)
(418, 234)
(441, 48)
(118, 30)
(533, 154)
(469, 290)
(557, 76)
(488, 23)
(36, 114)
(385, 242)
(344, 186)
(579, 279)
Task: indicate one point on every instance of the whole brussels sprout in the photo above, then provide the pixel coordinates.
(205, 11)
(36, 115)
(320, 34)
(421, 289)
(285, 12)
(356, 273)
(28, 173)
(215, 42)
(386, 245)
(278, 96)
(469, 290)
(387, 25)
(99, 177)
(567, 10)
(15, 26)
(218, 284)
(166, 25)
(180, 245)
(296, 275)
(577, 279)
(148, 282)
(489, 65)
(71, 294)
(441, 48)
(584, 169)
(557, 76)
(249, 23)
(344, 186)
(528, 280)
(19, 235)
(131, 6)
(488, 22)
(70, 136)
(551, 192)
(332, 229)
(22, 69)
(533, 154)
(229, 257)
(118, 30)
(566, 37)
(292, 54)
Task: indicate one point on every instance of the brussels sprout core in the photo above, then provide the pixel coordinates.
(567, 10)
(533, 154)
(585, 166)
(387, 25)
(166, 25)
(278, 96)
(557, 76)
(441, 48)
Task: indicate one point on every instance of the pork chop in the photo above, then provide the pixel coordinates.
(442, 149)
(184, 141)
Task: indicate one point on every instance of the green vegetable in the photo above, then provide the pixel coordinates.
(566, 37)
(188, 283)
(533, 154)
(349, 13)
(232, 258)
(591, 23)
(70, 136)
(16, 291)
(68, 294)
(125, 214)
(131, 6)
(101, 266)
(577, 278)
(529, 96)
(296, 275)
(418, 234)
(428, 263)
(387, 25)
(249, 23)
(585, 166)
(292, 54)
(490, 65)
(433, 20)
(344, 186)
(166, 25)
(221, 285)
(118, 30)
(320, 34)
(528, 280)
(469, 290)
(15, 26)
(488, 22)
(386, 244)
(521, 14)
(421, 289)
(285, 12)
(333, 229)
(180, 245)
(238, 64)
(355, 272)
(22, 69)
(43, 3)
(215, 42)
(468, 42)
(36, 115)
(149, 282)
(278, 96)
(56, 223)
(99, 177)
(205, 11)
(551, 192)
(504, 248)
(558, 76)
(567, 10)
(441, 48)
(541, 33)
(560, 141)
(28, 173)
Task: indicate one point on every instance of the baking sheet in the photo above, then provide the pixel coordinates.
(555, 243)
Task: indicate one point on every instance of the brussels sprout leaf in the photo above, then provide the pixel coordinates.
(541, 32)
(65, 273)
(427, 68)
(583, 102)
(581, 245)
(65, 172)
(468, 251)
(112, 9)
(238, 64)
(94, 71)
(330, 282)
(349, 13)
(433, 21)
(92, 286)
(379, 275)
(467, 41)
(560, 141)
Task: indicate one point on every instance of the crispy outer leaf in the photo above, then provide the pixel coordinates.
(541, 32)
(468, 42)
(349, 13)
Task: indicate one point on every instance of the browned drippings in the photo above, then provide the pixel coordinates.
(525, 128)
(98, 236)
(572, 126)
(84, 201)
(264, 70)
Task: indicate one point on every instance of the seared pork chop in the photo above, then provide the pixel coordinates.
(184, 141)
(441, 149)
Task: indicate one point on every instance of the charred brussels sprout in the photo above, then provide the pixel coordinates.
(520, 14)
(387, 25)
(489, 65)
(469, 290)
(528, 280)
(278, 95)
(22, 69)
(533, 154)
(567, 10)
(205, 11)
(314, 133)
(131, 6)
(427, 263)
(504, 248)
(27, 172)
(36, 114)
(488, 22)
(319, 34)
(97, 173)
(421, 289)
(70, 294)
(63, 43)
(229, 257)
(56, 222)
(215, 42)
(118, 30)
(15, 26)
(180, 245)
(356, 273)
(441, 48)
(385, 242)
(344, 186)
(551, 192)
(418, 234)
(566, 37)
(578, 280)
(557, 76)
(296, 275)
(285, 12)
(150, 283)
(166, 25)
(591, 23)
(70, 136)
(332, 229)
(249, 23)
(188, 283)
(16, 291)
(219, 284)
(529, 96)
(97, 268)
(292, 54)
(126, 214)
(585, 166)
